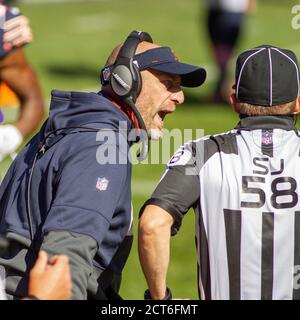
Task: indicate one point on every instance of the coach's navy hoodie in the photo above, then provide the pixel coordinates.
(73, 199)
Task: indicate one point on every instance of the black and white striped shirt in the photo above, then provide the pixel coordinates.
(244, 186)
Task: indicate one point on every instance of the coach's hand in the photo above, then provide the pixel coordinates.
(10, 140)
(50, 281)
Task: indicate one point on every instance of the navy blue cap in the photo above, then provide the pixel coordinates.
(164, 60)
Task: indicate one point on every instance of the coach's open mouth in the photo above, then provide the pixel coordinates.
(160, 116)
(163, 113)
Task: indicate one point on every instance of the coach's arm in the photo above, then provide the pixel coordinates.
(154, 248)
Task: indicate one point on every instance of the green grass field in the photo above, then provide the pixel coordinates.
(72, 41)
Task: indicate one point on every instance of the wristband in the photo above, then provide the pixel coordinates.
(168, 295)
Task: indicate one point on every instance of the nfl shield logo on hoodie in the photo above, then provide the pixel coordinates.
(102, 184)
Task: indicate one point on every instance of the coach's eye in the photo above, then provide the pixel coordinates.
(168, 84)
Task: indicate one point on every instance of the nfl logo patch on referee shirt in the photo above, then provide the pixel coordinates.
(102, 184)
(267, 138)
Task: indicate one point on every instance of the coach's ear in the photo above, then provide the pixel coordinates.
(297, 106)
(234, 103)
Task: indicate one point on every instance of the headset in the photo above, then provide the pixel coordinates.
(125, 81)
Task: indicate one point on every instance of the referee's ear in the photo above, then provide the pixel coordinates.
(297, 106)
(234, 103)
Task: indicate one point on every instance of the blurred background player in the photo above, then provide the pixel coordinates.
(19, 84)
(225, 20)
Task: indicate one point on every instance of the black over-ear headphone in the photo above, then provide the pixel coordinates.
(125, 80)
(124, 76)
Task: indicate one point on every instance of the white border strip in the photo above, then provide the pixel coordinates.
(240, 75)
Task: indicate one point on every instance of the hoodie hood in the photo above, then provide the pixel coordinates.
(74, 111)
(71, 109)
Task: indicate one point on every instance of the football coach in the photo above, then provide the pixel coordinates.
(59, 195)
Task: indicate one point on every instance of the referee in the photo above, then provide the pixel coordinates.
(244, 186)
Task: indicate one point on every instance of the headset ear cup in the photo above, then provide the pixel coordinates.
(121, 80)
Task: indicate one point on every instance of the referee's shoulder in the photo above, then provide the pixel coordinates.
(210, 144)
(219, 138)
